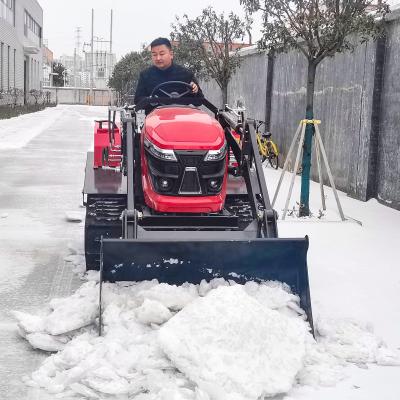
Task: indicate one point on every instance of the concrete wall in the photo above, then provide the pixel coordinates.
(68, 95)
(251, 91)
(343, 101)
(357, 97)
(388, 143)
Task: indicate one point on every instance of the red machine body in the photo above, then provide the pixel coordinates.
(107, 145)
(184, 161)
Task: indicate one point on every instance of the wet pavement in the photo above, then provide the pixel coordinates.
(39, 184)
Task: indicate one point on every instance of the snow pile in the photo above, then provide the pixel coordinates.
(339, 342)
(216, 340)
(229, 344)
(202, 341)
(53, 331)
(353, 341)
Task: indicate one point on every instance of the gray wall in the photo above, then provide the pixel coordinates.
(357, 97)
(388, 157)
(69, 95)
(251, 91)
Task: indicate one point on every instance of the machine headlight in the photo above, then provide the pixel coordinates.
(216, 155)
(162, 154)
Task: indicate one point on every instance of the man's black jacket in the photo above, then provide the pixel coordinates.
(153, 76)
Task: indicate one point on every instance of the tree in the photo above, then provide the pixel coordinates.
(206, 45)
(126, 72)
(58, 80)
(318, 29)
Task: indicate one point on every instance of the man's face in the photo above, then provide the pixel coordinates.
(162, 56)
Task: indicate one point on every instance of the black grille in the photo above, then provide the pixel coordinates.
(190, 159)
(182, 183)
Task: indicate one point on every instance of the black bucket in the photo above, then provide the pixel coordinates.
(176, 261)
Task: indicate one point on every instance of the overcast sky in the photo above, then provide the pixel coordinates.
(135, 22)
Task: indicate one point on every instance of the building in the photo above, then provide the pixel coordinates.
(21, 35)
(103, 66)
(76, 70)
(79, 69)
(47, 66)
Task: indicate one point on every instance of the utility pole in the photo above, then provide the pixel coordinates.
(76, 53)
(92, 62)
(110, 57)
(111, 31)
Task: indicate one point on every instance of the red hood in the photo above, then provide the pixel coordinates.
(182, 128)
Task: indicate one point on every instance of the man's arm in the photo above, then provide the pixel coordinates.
(195, 86)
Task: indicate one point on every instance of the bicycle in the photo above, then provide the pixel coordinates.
(266, 147)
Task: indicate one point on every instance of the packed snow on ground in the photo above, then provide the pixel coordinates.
(216, 340)
(17, 132)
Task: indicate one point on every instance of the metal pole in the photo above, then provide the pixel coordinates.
(75, 67)
(321, 183)
(296, 166)
(285, 166)
(91, 63)
(110, 57)
(111, 31)
(328, 170)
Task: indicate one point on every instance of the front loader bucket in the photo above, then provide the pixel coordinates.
(176, 261)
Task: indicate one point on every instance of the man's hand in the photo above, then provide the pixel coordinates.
(195, 87)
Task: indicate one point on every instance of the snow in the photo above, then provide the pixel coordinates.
(231, 346)
(217, 340)
(235, 333)
(227, 343)
(17, 132)
(11, 228)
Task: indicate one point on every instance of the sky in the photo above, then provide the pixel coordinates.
(135, 22)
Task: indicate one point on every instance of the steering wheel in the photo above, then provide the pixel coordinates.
(172, 95)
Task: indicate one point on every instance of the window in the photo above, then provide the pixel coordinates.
(7, 11)
(32, 29)
(100, 72)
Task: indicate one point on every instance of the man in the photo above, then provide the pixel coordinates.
(163, 70)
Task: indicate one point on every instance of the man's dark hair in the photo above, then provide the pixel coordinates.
(161, 41)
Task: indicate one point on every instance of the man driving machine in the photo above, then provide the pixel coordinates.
(163, 70)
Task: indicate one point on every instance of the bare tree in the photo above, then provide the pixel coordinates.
(318, 29)
(206, 44)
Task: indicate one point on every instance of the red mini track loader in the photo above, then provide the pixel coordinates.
(171, 210)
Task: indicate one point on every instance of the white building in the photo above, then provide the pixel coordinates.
(103, 66)
(21, 35)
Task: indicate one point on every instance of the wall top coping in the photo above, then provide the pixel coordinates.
(248, 51)
(394, 13)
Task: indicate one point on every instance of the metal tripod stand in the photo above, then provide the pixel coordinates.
(319, 149)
